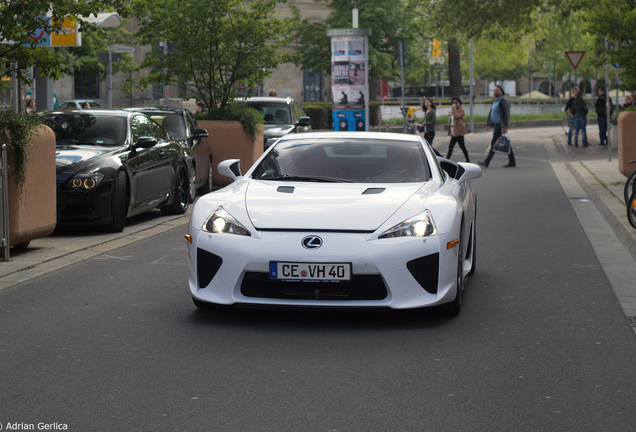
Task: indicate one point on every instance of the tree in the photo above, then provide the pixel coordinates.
(500, 59)
(19, 20)
(615, 20)
(215, 45)
(390, 21)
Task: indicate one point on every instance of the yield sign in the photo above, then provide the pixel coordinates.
(575, 57)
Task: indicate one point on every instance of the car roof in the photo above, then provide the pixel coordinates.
(89, 111)
(389, 136)
(158, 110)
(80, 100)
(266, 99)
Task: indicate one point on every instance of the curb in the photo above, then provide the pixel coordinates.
(88, 252)
(606, 203)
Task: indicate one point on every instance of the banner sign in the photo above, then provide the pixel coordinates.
(67, 37)
(349, 78)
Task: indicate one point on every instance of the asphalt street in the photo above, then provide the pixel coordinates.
(114, 343)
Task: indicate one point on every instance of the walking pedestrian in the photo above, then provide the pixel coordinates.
(579, 111)
(430, 120)
(499, 119)
(457, 128)
(601, 115)
(568, 111)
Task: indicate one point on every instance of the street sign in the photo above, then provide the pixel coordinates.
(574, 57)
(123, 49)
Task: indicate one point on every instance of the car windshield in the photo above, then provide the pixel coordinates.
(348, 160)
(275, 113)
(88, 129)
(174, 124)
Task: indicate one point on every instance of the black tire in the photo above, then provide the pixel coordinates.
(455, 306)
(473, 264)
(181, 194)
(631, 210)
(207, 187)
(630, 186)
(192, 178)
(118, 203)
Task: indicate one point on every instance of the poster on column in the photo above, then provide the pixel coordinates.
(348, 64)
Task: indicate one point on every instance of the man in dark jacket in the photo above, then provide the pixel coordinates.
(601, 115)
(499, 119)
(568, 111)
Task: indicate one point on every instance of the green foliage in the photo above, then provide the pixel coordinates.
(216, 46)
(320, 114)
(22, 50)
(501, 59)
(617, 21)
(249, 118)
(390, 21)
(19, 129)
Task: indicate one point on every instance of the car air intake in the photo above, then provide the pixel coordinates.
(285, 189)
(236, 168)
(360, 287)
(207, 266)
(425, 270)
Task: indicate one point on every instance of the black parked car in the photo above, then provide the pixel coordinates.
(282, 116)
(182, 125)
(115, 164)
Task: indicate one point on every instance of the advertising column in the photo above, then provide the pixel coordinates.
(350, 78)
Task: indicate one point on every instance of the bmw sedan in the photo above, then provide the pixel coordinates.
(115, 164)
(337, 219)
(182, 126)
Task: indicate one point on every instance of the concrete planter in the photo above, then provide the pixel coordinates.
(626, 142)
(33, 212)
(228, 141)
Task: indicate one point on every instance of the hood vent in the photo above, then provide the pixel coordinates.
(285, 189)
(373, 191)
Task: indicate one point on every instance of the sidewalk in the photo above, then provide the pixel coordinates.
(602, 182)
(70, 245)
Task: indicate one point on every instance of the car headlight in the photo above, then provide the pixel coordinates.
(222, 222)
(85, 181)
(421, 225)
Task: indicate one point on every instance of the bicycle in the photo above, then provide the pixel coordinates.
(631, 209)
(630, 184)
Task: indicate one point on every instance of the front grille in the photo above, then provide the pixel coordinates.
(360, 287)
(207, 266)
(425, 270)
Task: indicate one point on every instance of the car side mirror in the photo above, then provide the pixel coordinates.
(303, 122)
(200, 133)
(471, 171)
(230, 168)
(145, 142)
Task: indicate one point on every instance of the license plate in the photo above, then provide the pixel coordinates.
(310, 271)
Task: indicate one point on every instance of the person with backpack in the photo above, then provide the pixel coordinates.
(601, 115)
(579, 112)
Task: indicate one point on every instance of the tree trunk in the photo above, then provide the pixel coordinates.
(454, 69)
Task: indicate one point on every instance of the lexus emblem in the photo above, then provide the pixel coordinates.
(312, 242)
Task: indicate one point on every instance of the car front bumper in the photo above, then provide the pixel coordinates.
(398, 273)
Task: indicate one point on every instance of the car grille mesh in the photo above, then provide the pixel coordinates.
(360, 287)
(207, 266)
(425, 270)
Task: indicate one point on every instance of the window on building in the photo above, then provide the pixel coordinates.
(86, 84)
(312, 86)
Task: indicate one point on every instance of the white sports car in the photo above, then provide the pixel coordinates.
(337, 219)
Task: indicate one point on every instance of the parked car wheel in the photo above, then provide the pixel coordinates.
(207, 187)
(118, 203)
(181, 195)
